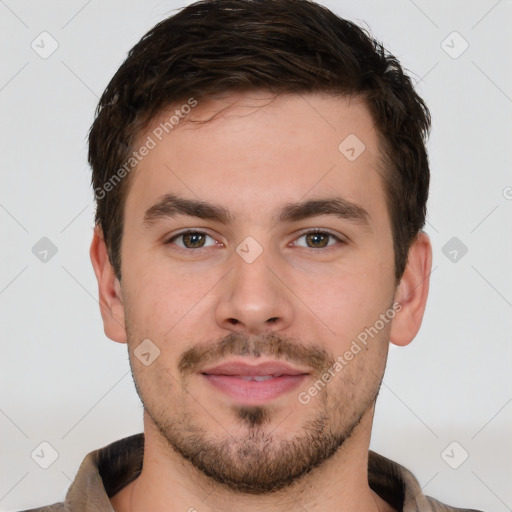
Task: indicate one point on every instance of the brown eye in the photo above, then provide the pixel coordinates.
(317, 239)
(192, 240)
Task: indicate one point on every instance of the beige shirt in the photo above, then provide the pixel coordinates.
(104, 472)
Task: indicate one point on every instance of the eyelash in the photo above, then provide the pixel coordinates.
(305, 233)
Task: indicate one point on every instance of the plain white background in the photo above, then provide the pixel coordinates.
(63, 382)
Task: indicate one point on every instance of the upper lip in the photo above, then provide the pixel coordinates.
(245, 370)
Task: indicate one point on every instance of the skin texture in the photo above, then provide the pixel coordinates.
(298, 301)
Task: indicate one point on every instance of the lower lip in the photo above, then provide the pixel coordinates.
(251, 391)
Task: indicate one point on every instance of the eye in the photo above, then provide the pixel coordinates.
(317, 239)
(191, 240)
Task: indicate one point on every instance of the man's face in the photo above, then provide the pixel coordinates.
(262, 287)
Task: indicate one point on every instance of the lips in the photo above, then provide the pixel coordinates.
(241, 369)
(253, 384)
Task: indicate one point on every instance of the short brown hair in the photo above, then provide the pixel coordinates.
(283, 46)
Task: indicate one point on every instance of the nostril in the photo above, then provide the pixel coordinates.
(233, 321)
(272, 320)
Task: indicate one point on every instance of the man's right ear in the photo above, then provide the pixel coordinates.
(110, 295)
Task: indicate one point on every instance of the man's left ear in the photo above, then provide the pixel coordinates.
(412, 291)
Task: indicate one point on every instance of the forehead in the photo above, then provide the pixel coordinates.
(255, 151)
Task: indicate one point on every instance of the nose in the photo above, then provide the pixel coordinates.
(254, 297)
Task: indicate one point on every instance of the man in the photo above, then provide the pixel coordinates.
(261, 181)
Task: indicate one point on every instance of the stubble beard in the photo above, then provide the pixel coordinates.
(259, 461)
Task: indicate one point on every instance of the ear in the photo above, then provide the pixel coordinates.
(412, 291)
(110, 295)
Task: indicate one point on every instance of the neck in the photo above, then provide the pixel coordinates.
(169, 483)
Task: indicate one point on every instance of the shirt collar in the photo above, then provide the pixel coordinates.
(104, 472)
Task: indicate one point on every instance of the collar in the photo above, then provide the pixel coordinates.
(104, 472)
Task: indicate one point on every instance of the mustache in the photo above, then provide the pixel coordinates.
(268, 344)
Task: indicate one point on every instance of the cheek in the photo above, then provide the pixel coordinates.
(162, 299)
(351, 300)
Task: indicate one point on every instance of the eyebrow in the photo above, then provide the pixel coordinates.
(172, 205)
(336, 206)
